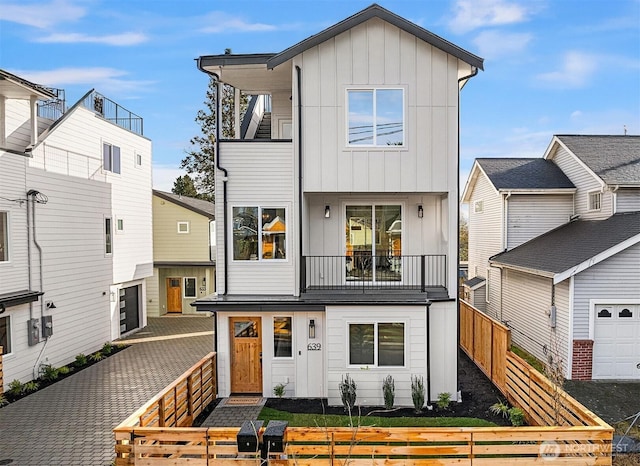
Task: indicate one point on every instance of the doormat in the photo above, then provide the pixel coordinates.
(244, 401)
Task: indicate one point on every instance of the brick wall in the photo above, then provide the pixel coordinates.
(582, 359)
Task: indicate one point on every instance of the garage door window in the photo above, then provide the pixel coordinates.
(625, 313)
(604, 314)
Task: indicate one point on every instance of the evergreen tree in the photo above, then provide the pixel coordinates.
(200, 160)
(184, 186)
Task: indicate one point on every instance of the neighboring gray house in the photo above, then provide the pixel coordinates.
(337, 229)
(554, 249)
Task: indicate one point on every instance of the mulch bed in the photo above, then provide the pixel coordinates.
(478, 394)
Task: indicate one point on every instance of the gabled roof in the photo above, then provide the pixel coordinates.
(376, 11)
(475, 282)
(198, 206)
(614, 159)
(518, 174)
(573, 247)
(272, 60)
(15, 87)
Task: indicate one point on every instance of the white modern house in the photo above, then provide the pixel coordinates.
(554, 251)
(183, 253)
(337, 213)
(75, 225)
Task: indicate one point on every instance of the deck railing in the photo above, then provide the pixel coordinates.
(111, 111)
(361, 272)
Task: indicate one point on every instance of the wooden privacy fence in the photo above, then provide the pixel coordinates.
(175, 406)
(488, 343)
(340, 446)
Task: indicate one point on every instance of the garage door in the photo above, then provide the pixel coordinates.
(616, 345)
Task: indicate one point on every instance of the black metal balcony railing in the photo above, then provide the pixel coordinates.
(111, 111)
(362, 271)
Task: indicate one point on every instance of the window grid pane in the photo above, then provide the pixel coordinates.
(107, 236)
(282, 337)
(245, 233)
(190, 288)
(391, 344)
(4, 237)
(361, 344)
(274, 231)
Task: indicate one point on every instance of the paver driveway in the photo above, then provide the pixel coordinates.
(71, 421)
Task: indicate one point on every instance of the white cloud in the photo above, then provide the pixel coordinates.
(575, 72)
(41, 15)
(219, 22)
(576, 114)
(124, 39)
(164, 176)
(473, 14)
(105, 80)
(496, 44)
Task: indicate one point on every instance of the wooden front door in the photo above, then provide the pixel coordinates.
(246, 354)
(174, 295)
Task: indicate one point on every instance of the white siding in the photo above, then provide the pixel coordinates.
(627, 200)
(369, 380)
(17, 124)
(532, 215)
(526, 301)
(585, 182)
(260, 174)
(378, 54)
(616, 278)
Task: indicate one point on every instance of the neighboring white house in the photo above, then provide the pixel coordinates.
(337, 235)
(183, 253)
(554, 251)
(75, 225)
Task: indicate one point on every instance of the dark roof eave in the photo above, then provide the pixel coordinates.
(167, 197)
(19, 297)
(171, 264)
(376, 11)
(206, 61)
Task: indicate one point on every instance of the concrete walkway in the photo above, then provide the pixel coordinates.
(71, 421)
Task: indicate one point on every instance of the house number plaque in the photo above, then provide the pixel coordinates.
(314, 347)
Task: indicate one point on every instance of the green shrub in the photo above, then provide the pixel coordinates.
(64, 370)
(97, 356)
(107, 348)
(500, 408)
(15, 387)
(81, 360)
(3, 401)
(279, 390)
(388, 391)
(348, 394)
(417, 392)
(444, 400)
(48, 372)
(516, 416)
(30, 387)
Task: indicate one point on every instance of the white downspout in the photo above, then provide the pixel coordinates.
(505, 220)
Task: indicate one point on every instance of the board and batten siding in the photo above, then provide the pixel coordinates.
(526, 300)
(378, 54)
(77, 273)
(529, 216)
(585, 182)
(628, 200)
(259, 174)
(616, 278)
(168, 244)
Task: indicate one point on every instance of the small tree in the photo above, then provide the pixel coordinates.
(348, 394)
(184, 186)
(388, 391)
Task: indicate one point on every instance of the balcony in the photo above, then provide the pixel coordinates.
(365, 273)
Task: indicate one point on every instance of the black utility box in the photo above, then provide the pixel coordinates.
(273, 436)
(249, 436)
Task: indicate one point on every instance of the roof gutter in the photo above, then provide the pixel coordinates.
(225, 176)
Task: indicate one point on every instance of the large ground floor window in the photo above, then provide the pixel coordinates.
(378, 344)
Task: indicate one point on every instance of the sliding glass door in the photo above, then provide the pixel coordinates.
(373, 243)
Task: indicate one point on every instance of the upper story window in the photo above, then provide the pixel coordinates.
(4, 236)
(595, 200)
(183, 227)
(259, 233)
(478, 206)
(111, 158)
(376, 117)
(138, 160)
(119, 225)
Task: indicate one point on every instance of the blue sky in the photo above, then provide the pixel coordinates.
(551, 66)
